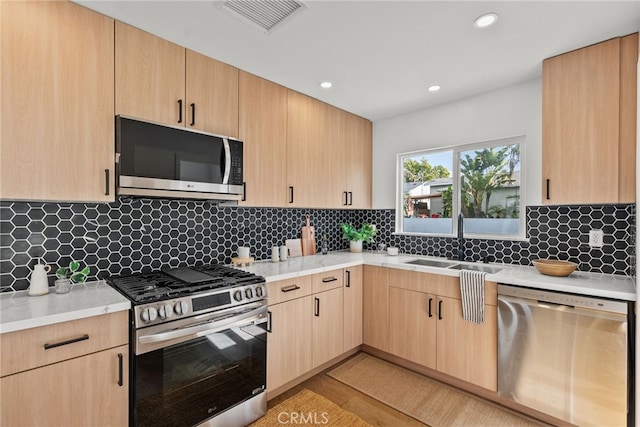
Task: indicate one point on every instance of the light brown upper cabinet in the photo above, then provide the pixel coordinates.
(162, 82)
(56, 121)
(263, 128)
(328, 155)
(358, 144)
(589, 122)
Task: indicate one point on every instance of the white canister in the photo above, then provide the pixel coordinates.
(275, 254)
(284, 253)
(244, 252)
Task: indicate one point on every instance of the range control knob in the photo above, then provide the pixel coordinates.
(149, 314)
(180, 307)
(249, 293)
(165, 311)
(237, 295)
(259, 292)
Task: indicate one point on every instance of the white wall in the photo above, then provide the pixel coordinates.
(516, 110)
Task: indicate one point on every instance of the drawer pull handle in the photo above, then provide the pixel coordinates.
(290, 288)
(61, 343)
(329, 279)
(120, 370)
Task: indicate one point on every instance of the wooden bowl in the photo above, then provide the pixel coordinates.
(554, 267)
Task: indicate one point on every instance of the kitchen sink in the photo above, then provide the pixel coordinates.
(432, 263)
(476, 267)
(454, 265)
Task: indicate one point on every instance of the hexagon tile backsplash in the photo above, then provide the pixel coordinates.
(133, 235)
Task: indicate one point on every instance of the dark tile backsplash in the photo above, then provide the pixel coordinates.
(133, 235)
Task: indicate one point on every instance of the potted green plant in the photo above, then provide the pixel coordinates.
(357, 236)
(66, 275)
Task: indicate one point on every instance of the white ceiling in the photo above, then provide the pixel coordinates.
(382, 55)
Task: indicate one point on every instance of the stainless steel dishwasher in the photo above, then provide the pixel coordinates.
(566, 355)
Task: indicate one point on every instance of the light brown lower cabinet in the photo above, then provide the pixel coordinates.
(412, 326)
(426, 327)
(289, 342)
(328, 325)
(466, 350)
(352, 307)
(375, 310)
(91, 390)
(72, 373)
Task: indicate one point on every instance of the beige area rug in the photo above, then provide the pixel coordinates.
(307, 408)
(428, 401)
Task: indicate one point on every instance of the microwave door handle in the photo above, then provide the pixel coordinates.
(198, 331)
(227, 161)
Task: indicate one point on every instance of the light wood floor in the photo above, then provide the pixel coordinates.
(371, 410)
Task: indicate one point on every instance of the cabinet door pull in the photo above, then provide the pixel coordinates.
(120, 370)
(179, 110)
(348, 273)
(548, 185)
(106, 182)
(244, 191)
(430, 301)
(269, 324)
(291, 194)
(350, 198)
(440, 310)
(346, 198)
(329, 279)
(317, 308)
(71, 341)
(290, 288)
(193, 114)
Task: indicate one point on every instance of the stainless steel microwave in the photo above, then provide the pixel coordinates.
(156, 160)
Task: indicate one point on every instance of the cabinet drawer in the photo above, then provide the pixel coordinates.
(328, 280)
(288, 289)
(31, 348)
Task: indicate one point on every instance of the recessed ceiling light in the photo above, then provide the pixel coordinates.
(326, 85)
(434, 88)
(485, 20)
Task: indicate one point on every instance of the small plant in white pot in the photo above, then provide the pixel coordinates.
(66, 275)
(357, 236)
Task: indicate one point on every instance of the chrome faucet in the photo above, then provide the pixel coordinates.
(461, 254)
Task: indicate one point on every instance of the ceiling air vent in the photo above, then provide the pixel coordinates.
(263, 15)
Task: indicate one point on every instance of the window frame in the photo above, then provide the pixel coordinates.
(455, 172)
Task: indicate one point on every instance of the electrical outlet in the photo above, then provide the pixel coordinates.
(595, 238)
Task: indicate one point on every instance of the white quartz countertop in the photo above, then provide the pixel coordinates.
(20, 311)
(591, 284)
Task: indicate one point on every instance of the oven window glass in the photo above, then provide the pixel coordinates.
(187, 383)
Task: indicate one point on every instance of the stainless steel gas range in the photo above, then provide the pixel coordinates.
(198, 346)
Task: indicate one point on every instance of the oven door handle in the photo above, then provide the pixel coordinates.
(206, 329)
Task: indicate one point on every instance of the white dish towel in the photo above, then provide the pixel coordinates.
(472, 291)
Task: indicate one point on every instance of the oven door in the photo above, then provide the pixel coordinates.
(190, 370)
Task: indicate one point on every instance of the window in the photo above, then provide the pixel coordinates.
(482, 181)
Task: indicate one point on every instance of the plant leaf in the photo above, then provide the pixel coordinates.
(86, 271)
(62, 272)
(74, 266)
(78, 278)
